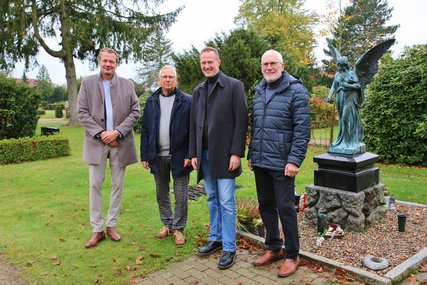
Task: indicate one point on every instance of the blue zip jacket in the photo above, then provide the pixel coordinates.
(281, 126)
(179, 131)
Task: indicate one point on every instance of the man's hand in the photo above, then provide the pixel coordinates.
(145, 164)
(108, 137)
(114, 144)
(187, 162)
(194, 163)
(234, 162)
(291, 170)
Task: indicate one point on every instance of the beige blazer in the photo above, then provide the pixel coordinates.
(91, 114)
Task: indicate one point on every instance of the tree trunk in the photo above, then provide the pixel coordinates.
(70, 68)
(70, 75)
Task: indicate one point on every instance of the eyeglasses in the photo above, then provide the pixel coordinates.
(272, 64)
(167, 77)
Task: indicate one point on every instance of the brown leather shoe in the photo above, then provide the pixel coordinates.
(289, 267)
(163, 233)
(269, 257)
(96, 237)
(113, 234)
(179, 238)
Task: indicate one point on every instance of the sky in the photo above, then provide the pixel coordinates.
(202, 20)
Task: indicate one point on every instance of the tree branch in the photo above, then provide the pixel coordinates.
(59, 53)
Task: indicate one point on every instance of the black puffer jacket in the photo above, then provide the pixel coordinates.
(281, 126)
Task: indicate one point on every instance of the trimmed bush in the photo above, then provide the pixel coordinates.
(58, 111)
(395, 112)
(41, 112)
(18, 109)
(33, 149)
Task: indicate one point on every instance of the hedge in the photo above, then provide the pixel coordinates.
(33, 148)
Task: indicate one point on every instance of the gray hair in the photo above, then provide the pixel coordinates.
(273, 52)
(167, 67)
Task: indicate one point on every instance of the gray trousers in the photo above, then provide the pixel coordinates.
(178, 219)
(96, 178)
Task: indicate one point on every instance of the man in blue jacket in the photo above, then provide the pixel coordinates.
(164, 149)
(280, 136)
(218, 127)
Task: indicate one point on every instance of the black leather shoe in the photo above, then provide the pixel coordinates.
(210, 248)
(227, 259)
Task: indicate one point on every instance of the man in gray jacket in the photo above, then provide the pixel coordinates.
(280, 136)
(108, 108)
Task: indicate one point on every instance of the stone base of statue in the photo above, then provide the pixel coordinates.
(352, 211)
(352, 173)
(346, 150)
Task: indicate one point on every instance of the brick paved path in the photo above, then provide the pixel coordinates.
(204, 270)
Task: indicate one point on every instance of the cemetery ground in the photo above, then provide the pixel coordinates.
(45, 217)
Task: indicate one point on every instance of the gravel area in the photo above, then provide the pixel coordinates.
(381, 240)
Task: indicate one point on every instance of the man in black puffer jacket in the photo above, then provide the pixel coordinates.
(280, 136)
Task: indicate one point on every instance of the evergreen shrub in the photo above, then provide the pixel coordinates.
(18, 109)
(33, 148)
(395, 111)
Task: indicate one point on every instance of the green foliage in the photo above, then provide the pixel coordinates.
(142, 100)
(395, 111)
(32, 149)
(362, 26)
(81, 29)
(248, 217)
(240, 53)
(158, 53)
(188, 69)
(41, 112)
(284, 23)
(58, 111)
(18, 109)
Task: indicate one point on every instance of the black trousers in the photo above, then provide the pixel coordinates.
(276, 198)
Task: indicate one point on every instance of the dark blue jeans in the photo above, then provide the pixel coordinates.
(276, 196)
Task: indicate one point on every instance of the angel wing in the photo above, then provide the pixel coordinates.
(367, 65)
(333, 52)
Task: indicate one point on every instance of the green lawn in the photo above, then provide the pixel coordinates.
(45, 217)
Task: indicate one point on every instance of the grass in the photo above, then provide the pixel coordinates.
(45, 217)
(50, 114)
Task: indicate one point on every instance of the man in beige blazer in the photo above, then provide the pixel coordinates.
(108, 108)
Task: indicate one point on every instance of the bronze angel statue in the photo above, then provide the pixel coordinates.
(349, 84)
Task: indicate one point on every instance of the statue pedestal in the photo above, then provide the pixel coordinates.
(349, 173)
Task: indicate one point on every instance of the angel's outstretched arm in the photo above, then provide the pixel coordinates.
(331, 93)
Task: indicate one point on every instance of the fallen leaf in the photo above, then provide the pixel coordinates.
(349, 250)
(194, 282)
(423, 268)
(178, 254)
(138, 260)
(412, 279)
(320, 269)
(155, 254)
(118, 272)
(57, 262)
(128, 268)
(133, 242)
(92, 265)
(45, 273)
(53, 257)
(61, 239)
(141, 248)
